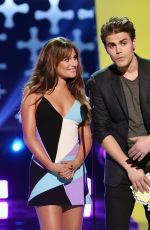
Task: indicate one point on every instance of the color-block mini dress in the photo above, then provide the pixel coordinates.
(60, 138)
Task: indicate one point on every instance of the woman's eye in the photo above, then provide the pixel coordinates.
(66, 59)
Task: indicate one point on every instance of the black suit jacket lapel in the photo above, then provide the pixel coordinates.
(144, 88)
(144, 81)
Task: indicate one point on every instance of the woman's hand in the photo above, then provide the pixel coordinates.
(72, 164)
(62, 169)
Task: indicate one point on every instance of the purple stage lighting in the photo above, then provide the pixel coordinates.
(3, 210)
(3, 189)
(88, 207)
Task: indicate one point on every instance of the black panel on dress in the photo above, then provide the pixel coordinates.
(55, 196)
(49, 123)
(36, 173)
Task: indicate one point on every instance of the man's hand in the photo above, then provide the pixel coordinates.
(138, 179)
(140, 148)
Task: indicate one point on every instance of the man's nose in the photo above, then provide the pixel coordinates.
(118, 49)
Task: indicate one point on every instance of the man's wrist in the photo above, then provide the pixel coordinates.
(129, 163)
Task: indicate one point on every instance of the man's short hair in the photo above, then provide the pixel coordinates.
(117, 24)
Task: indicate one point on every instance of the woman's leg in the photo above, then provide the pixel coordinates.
(72, 218)
(50, 217)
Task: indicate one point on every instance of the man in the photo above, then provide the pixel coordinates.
(120, 95)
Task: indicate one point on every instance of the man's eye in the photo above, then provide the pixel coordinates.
(124, 43)
(111, 46)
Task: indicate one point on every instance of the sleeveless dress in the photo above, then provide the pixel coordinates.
(59, 136)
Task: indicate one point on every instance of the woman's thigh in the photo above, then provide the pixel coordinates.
(73, 217)
(50, 217)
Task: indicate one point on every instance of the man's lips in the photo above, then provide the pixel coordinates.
(120, 58)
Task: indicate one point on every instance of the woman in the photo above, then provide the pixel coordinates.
(55, 119)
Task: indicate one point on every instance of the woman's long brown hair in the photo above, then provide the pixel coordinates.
(44, 77)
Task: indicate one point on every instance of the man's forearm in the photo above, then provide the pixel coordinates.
(114, 150)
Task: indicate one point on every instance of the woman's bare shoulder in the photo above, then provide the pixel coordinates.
(28, 97)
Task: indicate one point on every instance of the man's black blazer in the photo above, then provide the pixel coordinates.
(110, 114)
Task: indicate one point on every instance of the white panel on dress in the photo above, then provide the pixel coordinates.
(68, 138)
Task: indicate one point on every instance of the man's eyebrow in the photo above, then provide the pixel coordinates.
(124, 39)
(113, 43)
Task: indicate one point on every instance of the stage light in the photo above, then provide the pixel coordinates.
(3, 189)
(88, 207)
(89, 185)
(101, 155)
(17, 145)
(3, 210)
(87, 210)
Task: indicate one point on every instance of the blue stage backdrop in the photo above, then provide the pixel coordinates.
(24, 27)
